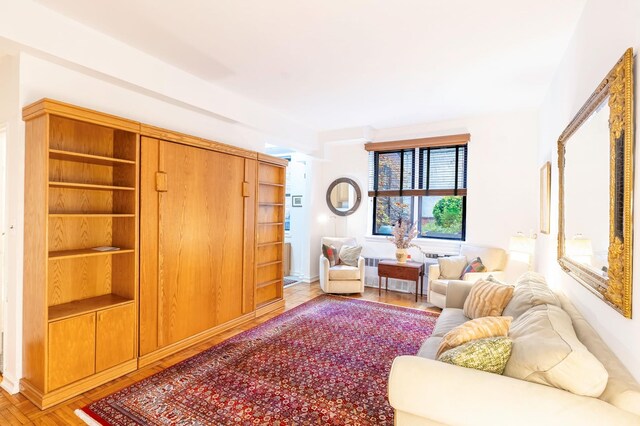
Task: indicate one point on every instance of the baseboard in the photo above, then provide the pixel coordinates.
(10, 384)
(310, 280)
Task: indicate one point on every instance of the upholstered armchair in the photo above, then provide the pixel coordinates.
(494, 259)
(341, 278)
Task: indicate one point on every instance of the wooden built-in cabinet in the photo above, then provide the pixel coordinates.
(81, 192)
(206, 256)
(270, 231)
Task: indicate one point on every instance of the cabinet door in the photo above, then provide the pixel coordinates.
(115, 336)
(72, 345)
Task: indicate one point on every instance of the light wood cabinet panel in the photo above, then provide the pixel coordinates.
(115, 336)
(72, 345)
(81, 192)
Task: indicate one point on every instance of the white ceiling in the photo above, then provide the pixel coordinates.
(332, 64)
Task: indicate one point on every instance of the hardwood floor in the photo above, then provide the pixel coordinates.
(17, 410)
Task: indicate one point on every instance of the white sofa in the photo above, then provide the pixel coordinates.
(495, 260)
(341, 278)
(424, 391)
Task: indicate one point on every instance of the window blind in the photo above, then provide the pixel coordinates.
(443, 171)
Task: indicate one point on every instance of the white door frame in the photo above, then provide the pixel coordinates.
(3, 238)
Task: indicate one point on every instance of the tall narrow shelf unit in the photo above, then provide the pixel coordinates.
(270, 232)
(81, 192)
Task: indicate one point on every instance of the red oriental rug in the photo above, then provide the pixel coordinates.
(324, 362)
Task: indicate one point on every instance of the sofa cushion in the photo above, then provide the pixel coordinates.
(349, 255)
(490, 354)
(451, 267)
(344, 272)
(487, 298)
(449, 319)
(531, 290)
(547, 351)
(479, 328)
(430, 347)
(493, 258)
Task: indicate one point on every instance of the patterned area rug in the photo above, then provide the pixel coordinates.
(290, 281)
(324, 362)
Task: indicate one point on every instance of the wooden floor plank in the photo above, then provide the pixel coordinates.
(17, 410)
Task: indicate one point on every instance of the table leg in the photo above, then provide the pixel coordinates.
(379, 286)
(421, 285)
(417, 289)
(386, 284)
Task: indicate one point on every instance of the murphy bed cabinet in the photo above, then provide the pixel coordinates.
(206, 256)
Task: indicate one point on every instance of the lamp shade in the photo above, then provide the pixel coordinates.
(579, 249)
(522, 244)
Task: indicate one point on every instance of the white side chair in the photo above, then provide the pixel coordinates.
(495, 260)
(341, 278)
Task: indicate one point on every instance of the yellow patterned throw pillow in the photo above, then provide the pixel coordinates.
(490, 354)
(487, 298)
(478, 328)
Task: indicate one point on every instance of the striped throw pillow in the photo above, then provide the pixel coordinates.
(478, 328)
(487, 298)
(490, 354)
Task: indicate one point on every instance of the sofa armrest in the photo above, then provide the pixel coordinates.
(434, 272)
(457, 292)
(475, 276)
(448, 394)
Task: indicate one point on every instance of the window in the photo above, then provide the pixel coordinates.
(422, 181)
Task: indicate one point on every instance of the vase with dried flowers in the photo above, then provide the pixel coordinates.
(403, 234)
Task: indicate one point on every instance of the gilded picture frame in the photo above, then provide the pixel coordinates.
(545, 198)
(614, 287)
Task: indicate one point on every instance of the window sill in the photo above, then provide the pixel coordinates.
(427, 244)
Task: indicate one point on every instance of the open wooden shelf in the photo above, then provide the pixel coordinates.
(57, 154)
(272, 204)
(73, 185)
(69, 254)
(91, 215)
(280, 185)
(271, 223)
(275, 262)
(84, 306)
(268, 283)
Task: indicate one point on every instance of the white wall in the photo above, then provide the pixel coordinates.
(502, 180)
(14, 212)
(605, 30)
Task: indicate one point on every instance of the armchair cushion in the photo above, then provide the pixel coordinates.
(439, 286)
(349, 255)
(330, 253)
(495, 259)
(344, 272)
(475, 265)
(451, 267)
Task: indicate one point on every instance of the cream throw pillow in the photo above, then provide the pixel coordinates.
(487, 298)
(349, 255)
(478, 328)
(547, 351)
(451, 267)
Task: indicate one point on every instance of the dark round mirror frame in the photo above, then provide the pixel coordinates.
(358, 196)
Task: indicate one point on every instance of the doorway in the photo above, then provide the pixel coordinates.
(3, 242)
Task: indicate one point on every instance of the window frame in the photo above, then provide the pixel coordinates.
(421, 149)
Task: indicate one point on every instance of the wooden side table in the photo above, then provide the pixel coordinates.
(411, 271)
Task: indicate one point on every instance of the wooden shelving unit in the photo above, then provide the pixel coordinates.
(270, 232)
(80, 319)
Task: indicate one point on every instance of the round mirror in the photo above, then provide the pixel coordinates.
(343, 196)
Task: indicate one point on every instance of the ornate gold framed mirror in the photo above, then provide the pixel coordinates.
(595, 161)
